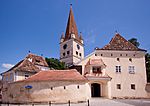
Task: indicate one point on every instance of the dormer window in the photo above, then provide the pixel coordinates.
(30, 59)
(37, 61)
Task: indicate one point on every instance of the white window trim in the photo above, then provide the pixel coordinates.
(118, 68)
(131, 69)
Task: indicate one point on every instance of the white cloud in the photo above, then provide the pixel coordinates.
(7, 66)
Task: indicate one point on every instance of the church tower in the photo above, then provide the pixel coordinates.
(71, 44)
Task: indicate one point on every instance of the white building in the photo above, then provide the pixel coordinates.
(115, 71)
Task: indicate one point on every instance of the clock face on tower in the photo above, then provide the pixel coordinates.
(78, 46)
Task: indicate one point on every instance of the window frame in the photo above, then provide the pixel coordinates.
(118, 69)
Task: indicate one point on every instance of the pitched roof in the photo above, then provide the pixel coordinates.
(71, 27)
(37, 60)
(29, 64)
(119, 43)
(95, 62)
(56, 75)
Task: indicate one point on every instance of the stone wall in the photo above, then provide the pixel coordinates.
(54, 91)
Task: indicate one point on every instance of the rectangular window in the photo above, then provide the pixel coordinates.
(131, 69)
(68, 52)
(118, 69)
(133, 86)
(26, 75)
(118, 86)
(76, 53)
(64, 54)
(97, 70)
(80, 54)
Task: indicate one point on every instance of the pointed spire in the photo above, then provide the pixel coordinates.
(71, 26)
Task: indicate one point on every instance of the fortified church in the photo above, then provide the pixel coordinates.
(116, 70)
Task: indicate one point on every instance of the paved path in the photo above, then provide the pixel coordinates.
(105, 102)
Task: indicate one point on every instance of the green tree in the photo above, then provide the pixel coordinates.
(55, 64)
(134, 42)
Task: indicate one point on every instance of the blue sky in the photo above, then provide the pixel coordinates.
(36, 25)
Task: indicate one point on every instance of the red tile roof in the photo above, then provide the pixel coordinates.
(28, 65)
(119, 43)
(37, 60)
(95, 62)
(56, 75)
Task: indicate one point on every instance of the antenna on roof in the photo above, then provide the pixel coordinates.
(71, 5)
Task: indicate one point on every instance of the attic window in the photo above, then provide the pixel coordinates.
(111, 54)
(126, 54)
(37, 61)
(101, 54)
(120, 54)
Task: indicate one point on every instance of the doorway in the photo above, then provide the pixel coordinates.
(95, 90)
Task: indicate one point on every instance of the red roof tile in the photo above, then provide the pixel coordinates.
(56, 75)
(95, 62)
(119, 43)
(29, 65)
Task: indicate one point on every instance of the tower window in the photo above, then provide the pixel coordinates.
(68, 52)
(95, 54)
(76, 53)
(78, 46)
(80, 54)
(65, 46)
(64, 87)
(64, 54)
